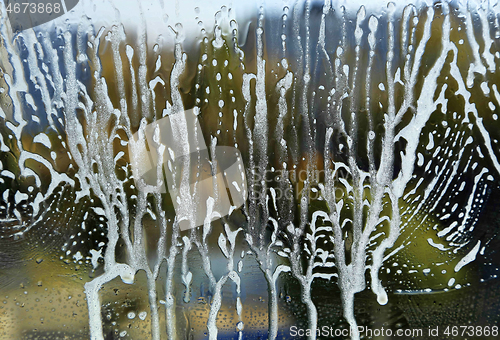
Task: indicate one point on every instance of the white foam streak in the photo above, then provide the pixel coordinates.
(471, 256)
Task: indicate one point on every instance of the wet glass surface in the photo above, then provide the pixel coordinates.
(188, 170)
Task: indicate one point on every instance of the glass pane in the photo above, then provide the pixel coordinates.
(278, 170)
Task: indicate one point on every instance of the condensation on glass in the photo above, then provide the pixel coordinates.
(369, 135)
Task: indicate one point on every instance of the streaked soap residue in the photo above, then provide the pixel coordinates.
(379, 122)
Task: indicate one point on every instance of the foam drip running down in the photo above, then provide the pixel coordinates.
(369, 137)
